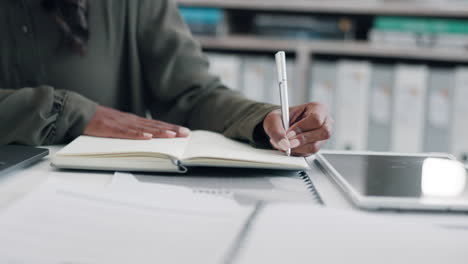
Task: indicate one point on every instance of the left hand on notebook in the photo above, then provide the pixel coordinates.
(310, 127)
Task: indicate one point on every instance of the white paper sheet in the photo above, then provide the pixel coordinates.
(60, 224)
(306, 234)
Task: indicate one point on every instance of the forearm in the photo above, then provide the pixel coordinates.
(230, 113)
(184, 91)
(42, 115)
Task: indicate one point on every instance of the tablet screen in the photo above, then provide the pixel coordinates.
(401, 176)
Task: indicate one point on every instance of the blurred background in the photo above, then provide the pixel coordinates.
(394, 73)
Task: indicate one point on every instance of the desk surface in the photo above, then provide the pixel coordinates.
(16, 185)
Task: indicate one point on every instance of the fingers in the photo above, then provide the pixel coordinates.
(115, 131)
(313, 118)
(306, 136)
(108, 122)
(319, 134)
(273, 126)
(310, 142)
(127, 133)
(308, 149)
(155, 132)
(160, 128)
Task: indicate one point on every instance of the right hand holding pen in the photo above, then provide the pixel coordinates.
(310, 128)
(108, 122)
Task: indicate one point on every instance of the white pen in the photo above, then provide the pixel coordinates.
(283, 90)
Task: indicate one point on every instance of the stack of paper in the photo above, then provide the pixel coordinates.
(304, 234)
(60, 224)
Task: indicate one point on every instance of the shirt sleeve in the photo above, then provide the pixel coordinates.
(184, 91)
(42, 115)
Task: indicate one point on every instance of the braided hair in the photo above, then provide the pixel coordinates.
(71, 17)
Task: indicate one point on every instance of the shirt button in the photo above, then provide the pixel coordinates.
(25, 29)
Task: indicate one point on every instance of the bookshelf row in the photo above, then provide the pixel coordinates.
(351, 48)
(448, 8)
(377, 106)
(305, 52)
(305, 32)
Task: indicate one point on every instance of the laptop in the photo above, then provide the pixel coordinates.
(14, 157)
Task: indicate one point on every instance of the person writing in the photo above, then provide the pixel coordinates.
(101, 67)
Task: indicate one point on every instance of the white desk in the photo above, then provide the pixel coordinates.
(16, 185)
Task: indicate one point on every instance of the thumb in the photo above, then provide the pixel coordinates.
(273, 126)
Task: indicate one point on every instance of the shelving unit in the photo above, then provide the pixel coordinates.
(304, 50)
(248, 43)
(356, 7)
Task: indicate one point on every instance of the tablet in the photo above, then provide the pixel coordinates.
(376, 181)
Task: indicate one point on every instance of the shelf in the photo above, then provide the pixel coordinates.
(248, 43)
(353, 7)
(244, 43)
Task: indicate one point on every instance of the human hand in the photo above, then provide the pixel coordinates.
(108, 122)
(310, 127)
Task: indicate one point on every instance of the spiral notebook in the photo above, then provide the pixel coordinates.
(252, 188)
(244, 185)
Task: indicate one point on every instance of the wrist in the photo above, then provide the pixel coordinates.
(76, 113)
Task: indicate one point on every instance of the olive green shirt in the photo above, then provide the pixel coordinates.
(141, 58)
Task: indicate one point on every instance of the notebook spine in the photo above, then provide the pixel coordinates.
(311, 187)
(178, 164)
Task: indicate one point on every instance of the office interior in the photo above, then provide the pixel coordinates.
(364, 59)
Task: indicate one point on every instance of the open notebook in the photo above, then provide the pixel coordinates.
(201, 148)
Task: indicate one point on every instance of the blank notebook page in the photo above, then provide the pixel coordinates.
(204, 144)
(86, 145)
